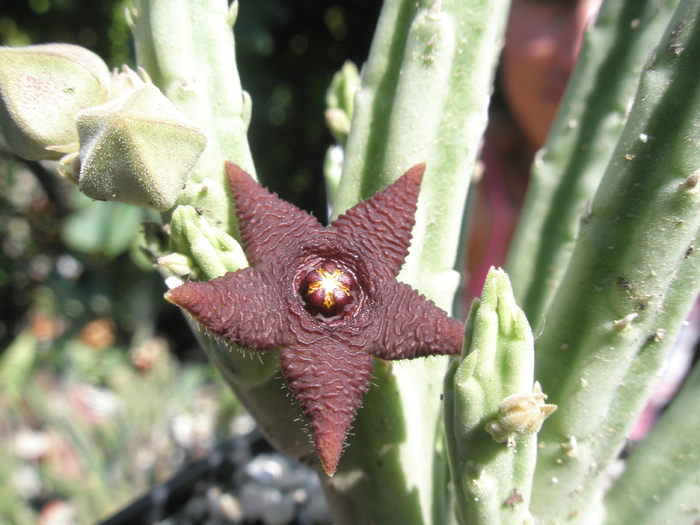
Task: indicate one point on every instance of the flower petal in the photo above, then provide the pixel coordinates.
(381, 226)
(328, 381)
(414, 326)
(243, 307)
(268, 224)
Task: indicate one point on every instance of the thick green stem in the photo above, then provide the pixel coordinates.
(423, 98)
(631, 281)
(259, 386)
(660, 483)
(492, 473)
(187, 48)
(568, 170)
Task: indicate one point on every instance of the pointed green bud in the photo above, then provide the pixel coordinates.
(42, 89)
(176, 265)
(210, 251)
(338, 123)
(341, 92)
(340, 101)
(489, 404)
(137, 149)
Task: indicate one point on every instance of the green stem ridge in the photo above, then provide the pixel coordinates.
(657, 488)
(631, 281)
(568, 170)
(422, 98)
(195, 66)
(492, 481)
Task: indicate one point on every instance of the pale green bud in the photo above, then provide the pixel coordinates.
(341, 92)
(212, 252)
(137, 149)
(520, 414)
(338, 122)
(42, 89)
(340, 99)
(176, 265)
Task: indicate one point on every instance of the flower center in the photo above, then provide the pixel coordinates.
(328, 288)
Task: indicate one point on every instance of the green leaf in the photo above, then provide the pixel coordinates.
(106, 228)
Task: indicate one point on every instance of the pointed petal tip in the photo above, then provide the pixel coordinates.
(329, 449)
(185, 295)
(415, 173)
(236, 174)
(418, 170)
(170, 296)
(329, 430)
(329, 468)
(412, 179)
(232, 167)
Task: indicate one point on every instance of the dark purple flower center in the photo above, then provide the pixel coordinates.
(328, 288)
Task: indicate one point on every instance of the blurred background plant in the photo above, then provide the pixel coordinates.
(102, 396)
(95, 368)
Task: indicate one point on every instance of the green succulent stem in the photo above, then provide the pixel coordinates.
(630, 283)
(492, 480)
(569, 168)
(657, 488)
(187, 48)
(422, 98)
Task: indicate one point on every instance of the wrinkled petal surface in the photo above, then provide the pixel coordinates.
(326, 357)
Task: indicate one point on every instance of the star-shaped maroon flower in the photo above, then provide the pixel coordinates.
(327, 297)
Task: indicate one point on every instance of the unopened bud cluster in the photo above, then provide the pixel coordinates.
(117, 136)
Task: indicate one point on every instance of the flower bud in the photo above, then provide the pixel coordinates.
(210, 251)
(176, 264)
(341, 92)
(521, 414)
(338, 122)
(340, 101)
(137, 149)
(42, 88)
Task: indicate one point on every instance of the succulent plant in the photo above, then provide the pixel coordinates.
(604, 264)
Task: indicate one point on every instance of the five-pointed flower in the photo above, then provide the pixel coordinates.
(327, 297)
